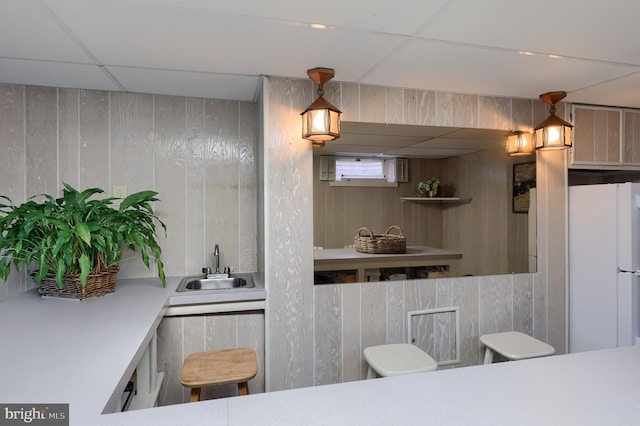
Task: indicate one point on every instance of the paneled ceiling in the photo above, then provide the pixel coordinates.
(218, 49)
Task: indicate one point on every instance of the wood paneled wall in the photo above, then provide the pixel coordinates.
(199, 154)
(315, 334)
(351, 317)
(180, 336)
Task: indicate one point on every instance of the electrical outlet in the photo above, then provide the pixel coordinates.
(119, 191)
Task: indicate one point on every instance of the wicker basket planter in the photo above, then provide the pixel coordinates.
(98, 284)
(368, 242)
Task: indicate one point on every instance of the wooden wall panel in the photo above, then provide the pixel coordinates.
(41, 141)
(248, 189)
(444, 324)
(94, 157)
(421, 295)
(556, 243)
(495, 303)
(494, 112)
(68, 136)
(250, 333)
(419, 107)
(631, 152)
(221, 332)
(180, 336)
(170, 359)
(454, 109)
(99, 139)
(222, 156)
(395, 321)
(465, 297)
(373, 104)
(523, 303)
(394, 105)
(170, 157)
(13, 166)
(328, 334)
(288, 246)
(199, 254)
(131, 135)
(374, 314)
(351, 336)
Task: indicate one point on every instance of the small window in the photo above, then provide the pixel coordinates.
(359, 168)
(354, 171)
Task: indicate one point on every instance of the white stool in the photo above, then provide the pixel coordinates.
(397, 359)
(514, 345)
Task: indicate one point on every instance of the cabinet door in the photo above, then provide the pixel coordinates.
(597, 138)
(631, 137)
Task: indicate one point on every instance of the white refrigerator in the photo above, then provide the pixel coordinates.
(604, 264)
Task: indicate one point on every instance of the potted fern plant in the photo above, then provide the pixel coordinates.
(76, 242)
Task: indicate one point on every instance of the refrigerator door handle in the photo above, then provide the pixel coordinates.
(636, 272)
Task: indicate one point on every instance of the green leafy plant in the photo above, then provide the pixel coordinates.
(429, 186)
(76, 235)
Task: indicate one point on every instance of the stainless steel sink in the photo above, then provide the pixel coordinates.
(233, 281)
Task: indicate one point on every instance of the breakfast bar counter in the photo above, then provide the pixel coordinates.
(349, 259)
(82, 354)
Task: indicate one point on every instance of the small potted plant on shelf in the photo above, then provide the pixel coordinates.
(76, 242)
(429, 187)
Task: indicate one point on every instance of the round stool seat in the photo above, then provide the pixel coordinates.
(397, 359)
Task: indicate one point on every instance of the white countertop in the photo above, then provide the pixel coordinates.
(83, 353)
(412, 252)
(40, 362)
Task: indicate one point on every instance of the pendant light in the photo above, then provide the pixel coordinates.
(553, 132)
(321, 120)
(520, 144)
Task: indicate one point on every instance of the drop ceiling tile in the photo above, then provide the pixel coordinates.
(471, 70)
(623, 92)
(202, 85)
(39, 73)
(28, 32)
(429, 153)
(338, 148)
(378, 139)
(360, 128)
(127, 34)
(594, 30)
(463, 144)
(398, 17)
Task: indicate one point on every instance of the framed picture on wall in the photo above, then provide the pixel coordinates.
(524, 178)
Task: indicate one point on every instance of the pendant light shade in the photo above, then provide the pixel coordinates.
(520, 144)
(321, 120)
(553, 132)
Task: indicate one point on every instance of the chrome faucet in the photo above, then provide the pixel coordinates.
(216, 274)
(216, 254)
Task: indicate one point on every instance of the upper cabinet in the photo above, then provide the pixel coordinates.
(605, 138)
(631, 153)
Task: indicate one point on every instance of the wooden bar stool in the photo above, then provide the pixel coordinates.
(514, 345)
(202, 369)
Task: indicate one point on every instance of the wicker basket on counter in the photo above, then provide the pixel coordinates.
(98, 284)
(368, 242)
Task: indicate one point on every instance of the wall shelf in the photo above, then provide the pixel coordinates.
(453, 200)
